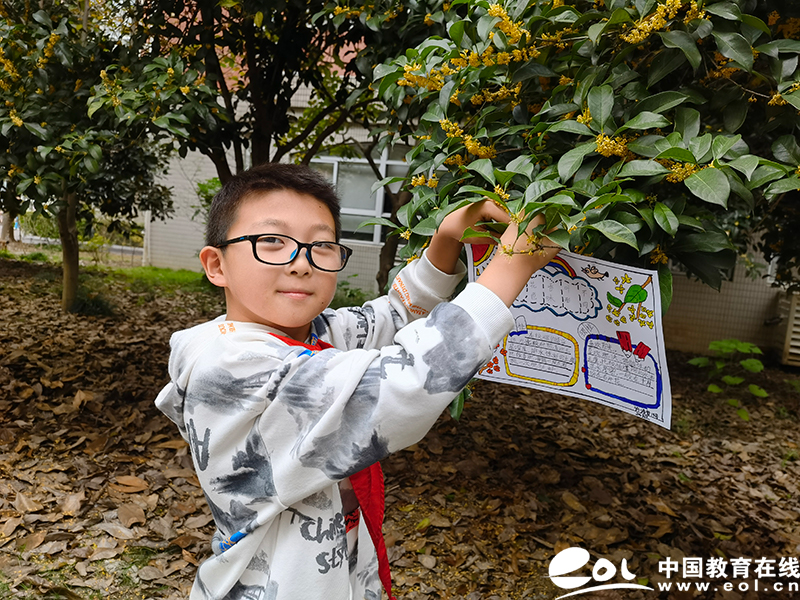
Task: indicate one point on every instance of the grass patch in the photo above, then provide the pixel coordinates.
(35, 257)
(163, 281)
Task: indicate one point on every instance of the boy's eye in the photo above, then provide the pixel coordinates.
(269, 240)
(325, 246)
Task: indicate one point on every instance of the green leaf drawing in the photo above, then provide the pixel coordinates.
(614, 300)
(635, 295)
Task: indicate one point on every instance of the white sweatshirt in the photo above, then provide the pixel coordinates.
(276, 430)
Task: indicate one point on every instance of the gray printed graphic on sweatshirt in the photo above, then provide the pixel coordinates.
(365, 322)
(318, 500)
(238, 518)
(356, 444)
(219, 391)
(252, 592)
(370, 579)
(454, 360)
(251, 474)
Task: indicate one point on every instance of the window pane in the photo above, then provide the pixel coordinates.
(354, 185)
(349, 225)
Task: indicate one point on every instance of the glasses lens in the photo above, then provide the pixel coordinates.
(328, 256)
(275, 249)
(280, 250)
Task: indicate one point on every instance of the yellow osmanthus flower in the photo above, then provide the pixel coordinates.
(450, 128)
(428, 20)
(406, 234)
(432, 81)
(13, 170)
(15, 119)
(37, 179)
(679, 171)
(585, 117)
(777, 100)
(564, 80)
(455, 160)
(557, 3)
(657, 256)
(557, 39)
(476, 148)
(612, 147)
(501, 192)
(773, 17)
(185, 89)
(418, 180)
(433, 181)
(513, 31)
(655, 21)
(694, 12)
(790, 29)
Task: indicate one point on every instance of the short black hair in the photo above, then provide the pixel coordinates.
(267, 178)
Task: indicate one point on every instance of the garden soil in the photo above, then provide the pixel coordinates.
(98, 498)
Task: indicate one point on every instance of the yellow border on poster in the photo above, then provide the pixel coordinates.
(573, 379)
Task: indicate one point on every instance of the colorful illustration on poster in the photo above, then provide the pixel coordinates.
(586, 328)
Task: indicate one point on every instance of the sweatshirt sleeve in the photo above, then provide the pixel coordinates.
(281, 428)
(415, 291)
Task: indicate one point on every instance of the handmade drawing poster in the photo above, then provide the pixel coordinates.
(586, 328)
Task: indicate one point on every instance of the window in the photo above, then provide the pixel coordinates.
(354, 178)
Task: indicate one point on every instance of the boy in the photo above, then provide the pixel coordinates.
(288, 407)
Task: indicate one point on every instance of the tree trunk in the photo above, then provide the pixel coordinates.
(7, 229)
(389, 250)
(68, 232)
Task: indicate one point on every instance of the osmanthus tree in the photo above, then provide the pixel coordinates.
(53, 157)
(642, 130)
(224, 77)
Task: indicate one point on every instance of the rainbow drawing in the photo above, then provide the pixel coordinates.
(559, 264)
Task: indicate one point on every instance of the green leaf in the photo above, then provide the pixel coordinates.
(660, 102)
(726, 10)
(636, 294)
(616, 232)
(710, 185)
(684, 42)
(731, 380)
(377, 221)
(36, 130)
(734, 46)
(722, 143)
(530, 70)
(665, 218)
(743, 414)
(644, 120)
(745, 164)
(701, 146)
(733, 402)
(699, 361)
(665, 287)
(457, 405)
(752, 364)
(665, 62)
(570, 162)
(613, 300)
(485, 168)
(679, 154)
(642, 168)
(714, 388)
(687, 122)
(601, 103)
(570, 126)
(786, 149)
(757, 391)
(385, 181)
(537, 189)
(456, 31)
(790, 184)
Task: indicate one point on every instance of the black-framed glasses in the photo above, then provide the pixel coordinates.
(279, 249)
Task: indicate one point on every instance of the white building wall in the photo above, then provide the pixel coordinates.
(176, 242)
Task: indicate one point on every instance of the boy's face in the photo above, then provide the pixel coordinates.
(286, 297)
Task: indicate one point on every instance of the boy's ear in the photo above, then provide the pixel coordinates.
(211, 259)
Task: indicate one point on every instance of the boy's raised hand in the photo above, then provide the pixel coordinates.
(507, 274)
(457, 222)
(447, 242)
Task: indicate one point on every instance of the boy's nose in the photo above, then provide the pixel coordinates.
(300, 263)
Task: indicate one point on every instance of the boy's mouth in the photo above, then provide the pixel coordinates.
(298, 294)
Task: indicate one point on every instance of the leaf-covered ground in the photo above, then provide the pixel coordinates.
(98, 498)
